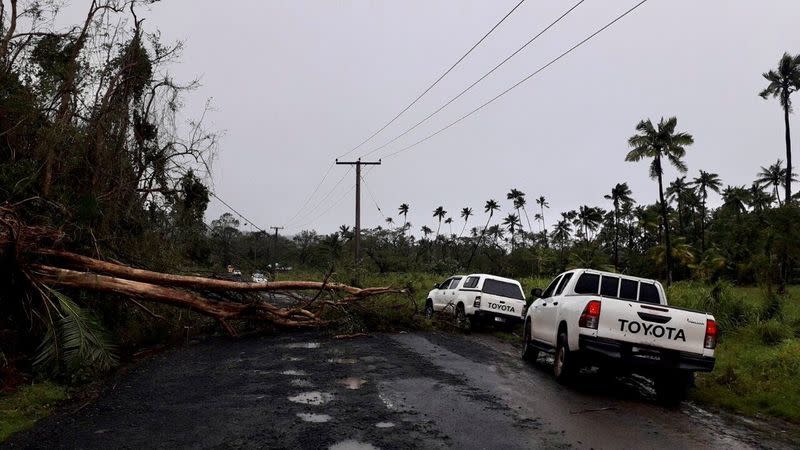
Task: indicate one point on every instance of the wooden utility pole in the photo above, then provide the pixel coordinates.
(357, 232)
(275, 253)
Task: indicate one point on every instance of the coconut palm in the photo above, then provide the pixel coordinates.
(677, 191)
(782, 83)
(466, 212)
(589, 218)
(661, 142)
(490, 207)
(760, 200)
(519, 203)
(403, 211)
(736, 198)
(512, 224)
(389, 221)
(705, 182)
(449, 221)
(620, 194)
(426, 231)
(439, 213)
(775, 176)
(542, 202)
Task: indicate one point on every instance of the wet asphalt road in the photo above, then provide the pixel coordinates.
(429, 390)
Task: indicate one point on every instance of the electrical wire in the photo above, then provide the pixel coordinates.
(553, 61)
(435, 82)
(236, 212)
(316, 189)
(322, 200)
(530, 41)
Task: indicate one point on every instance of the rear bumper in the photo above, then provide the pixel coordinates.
(494, 317)
(609, 350)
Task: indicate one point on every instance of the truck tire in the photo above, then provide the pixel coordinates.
(463, 321)
(429, 310)
(529, 352)
(673, 387)
(565, 365)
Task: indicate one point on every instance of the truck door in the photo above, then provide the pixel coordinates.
(549, 312)
(450, 294)
(438, 295)
(539, 306)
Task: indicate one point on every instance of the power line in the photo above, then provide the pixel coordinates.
(316, 189)
(372, 196)
(553, 61)
(326, 211)
(322, 200)
(435, 82)
(551, 25)
(237, 212)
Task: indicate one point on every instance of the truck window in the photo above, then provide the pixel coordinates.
(648, 293)
(445, 284)
(454, 283)
(629, 290)
(609, 286)
(587, 284)
(502, 288)
(549, 291)
(471, 282)
(563, 283)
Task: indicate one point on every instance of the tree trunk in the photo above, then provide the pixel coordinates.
(665, 219)
(788, 195)
(616, 237)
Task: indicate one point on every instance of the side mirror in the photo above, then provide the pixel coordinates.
(536, 292)
(435, 286)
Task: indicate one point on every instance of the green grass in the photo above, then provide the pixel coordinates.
(21, 409)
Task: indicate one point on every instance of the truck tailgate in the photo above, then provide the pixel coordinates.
(502, 305)
(652, 325)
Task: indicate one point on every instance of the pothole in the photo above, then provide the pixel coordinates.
(315, 398)
(300, 382)
(384, 425)
(315, 418)
(294, 373)
(302, 345)
(352, 383)
(342, 360)
(352, 444)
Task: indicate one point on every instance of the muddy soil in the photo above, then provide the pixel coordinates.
(427, 390)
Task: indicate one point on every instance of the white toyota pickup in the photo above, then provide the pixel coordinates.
(478, 299)
(586, 317)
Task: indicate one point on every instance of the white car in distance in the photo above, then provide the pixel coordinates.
(478, 299)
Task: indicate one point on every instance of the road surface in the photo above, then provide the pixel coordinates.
(409, 390)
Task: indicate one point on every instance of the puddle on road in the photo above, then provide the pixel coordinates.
(352, 383)
(299, 382)
(294, 373)
(352, 444)
(342, 360)
(302, 345)
(315, 418)
(315, 398)
(292, 358)
(384, 425)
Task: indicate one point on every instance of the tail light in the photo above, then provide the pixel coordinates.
(711, 334)
(477, 302)
(590, 318)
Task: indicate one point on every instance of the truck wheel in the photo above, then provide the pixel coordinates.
(564, 364)
(529, 353)
(673, 387)
(463, 321)
(429, 310)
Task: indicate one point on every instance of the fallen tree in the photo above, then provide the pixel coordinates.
(34, 254)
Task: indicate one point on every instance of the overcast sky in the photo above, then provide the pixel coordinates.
(297, 83)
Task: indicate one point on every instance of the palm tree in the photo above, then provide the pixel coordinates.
(449, 221)
(589, 218)
(403, 211)
(439, 213)
(677, 191)
(736, 198)
(542, 202)
(519, 203)
(775, 176)
(658, 143)
(782, 83)
(426, 231)
(389, 221)
(561, 234)
(490, 207)
(705, 182)
(620, 194)
(512, 223)
(466, 212)
(759, 199)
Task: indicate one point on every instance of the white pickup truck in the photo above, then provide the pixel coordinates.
(478, 299)
(586, 317)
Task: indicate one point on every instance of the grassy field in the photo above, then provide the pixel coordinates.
(21, 409)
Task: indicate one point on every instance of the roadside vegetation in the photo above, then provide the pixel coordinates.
(94, 144)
